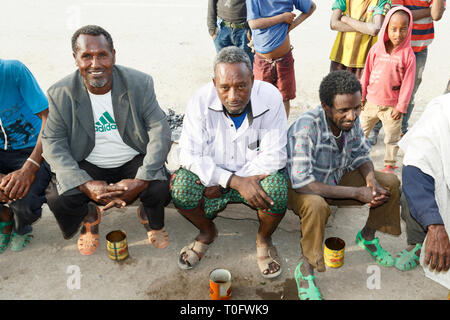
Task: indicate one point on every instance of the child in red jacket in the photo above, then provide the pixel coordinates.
(388, 80)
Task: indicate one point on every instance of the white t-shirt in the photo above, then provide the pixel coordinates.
(109, 151)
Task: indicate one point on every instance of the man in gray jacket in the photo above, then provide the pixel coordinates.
(106, 140)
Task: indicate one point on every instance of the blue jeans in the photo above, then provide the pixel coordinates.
(421, 59)
(232, 37)
(29, 209)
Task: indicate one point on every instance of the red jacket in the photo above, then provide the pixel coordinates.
(388, 79)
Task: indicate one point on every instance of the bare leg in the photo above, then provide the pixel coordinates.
(369, 234)
(287, 107)
(6, 216)
(207, 228)
(267, 226)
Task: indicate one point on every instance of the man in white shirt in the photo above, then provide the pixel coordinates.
(232, 145)
(107, 144)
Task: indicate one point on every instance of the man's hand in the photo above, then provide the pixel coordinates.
(364, 194)
(437, 248)
(3, 197)
(251, 190)
(131, 190)
(16, 184)
(288, 17)
(101, 192)
(216, 31)
(212, 192)
(379, 194)
(396, 115)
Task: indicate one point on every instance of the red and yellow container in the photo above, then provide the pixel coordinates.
(116, 243)
(220, 284)
(333, 253)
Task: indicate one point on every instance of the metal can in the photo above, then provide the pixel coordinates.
(116, 243)
(220, 284)
(333, 253)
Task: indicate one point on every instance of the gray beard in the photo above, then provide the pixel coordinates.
(98, 83)
(236, 112)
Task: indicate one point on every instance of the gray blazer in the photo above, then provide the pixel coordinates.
(69, 133)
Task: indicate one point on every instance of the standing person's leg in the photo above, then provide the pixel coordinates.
(223, 38)
(240, 38)
(369, 117)
(392, 135)
(286, 79)
(421, 59)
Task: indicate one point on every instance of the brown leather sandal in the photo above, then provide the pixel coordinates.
(89, 242)
(158, 238)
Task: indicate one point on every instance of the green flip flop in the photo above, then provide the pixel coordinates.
(310, 293)
(4, 237)
(407, 260)
(380, 255)
(19, 242)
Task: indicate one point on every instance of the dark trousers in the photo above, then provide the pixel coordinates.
(72, 207)
(415, 233)
(28, 209)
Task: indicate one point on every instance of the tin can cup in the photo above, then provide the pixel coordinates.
(116, 244)
(220, 284)
(333, 253)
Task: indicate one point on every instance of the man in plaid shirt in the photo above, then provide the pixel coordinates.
(329, 164)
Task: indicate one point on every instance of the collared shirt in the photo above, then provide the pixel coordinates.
(313, 154)
(213, 149)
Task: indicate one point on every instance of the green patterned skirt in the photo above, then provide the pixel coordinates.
(187, 194)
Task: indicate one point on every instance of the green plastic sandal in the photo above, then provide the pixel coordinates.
(19, 242)
(310, 293)
(4, 237)
(407, 260)
(380, 255)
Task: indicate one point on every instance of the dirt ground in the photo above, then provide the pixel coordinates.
(170, 41)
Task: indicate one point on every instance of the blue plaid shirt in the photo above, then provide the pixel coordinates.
(313, 154)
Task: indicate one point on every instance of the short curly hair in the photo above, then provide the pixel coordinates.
(91, 30)
(232, 54)
(338, 82)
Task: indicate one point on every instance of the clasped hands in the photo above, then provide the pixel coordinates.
(15, 185)
(373, 194)
(112, 195)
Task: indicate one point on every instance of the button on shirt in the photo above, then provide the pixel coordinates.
(213, 149)
(313, 154)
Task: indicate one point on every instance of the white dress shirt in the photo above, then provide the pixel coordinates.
(213, 149)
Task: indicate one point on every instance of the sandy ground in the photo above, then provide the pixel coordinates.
(170, 42)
